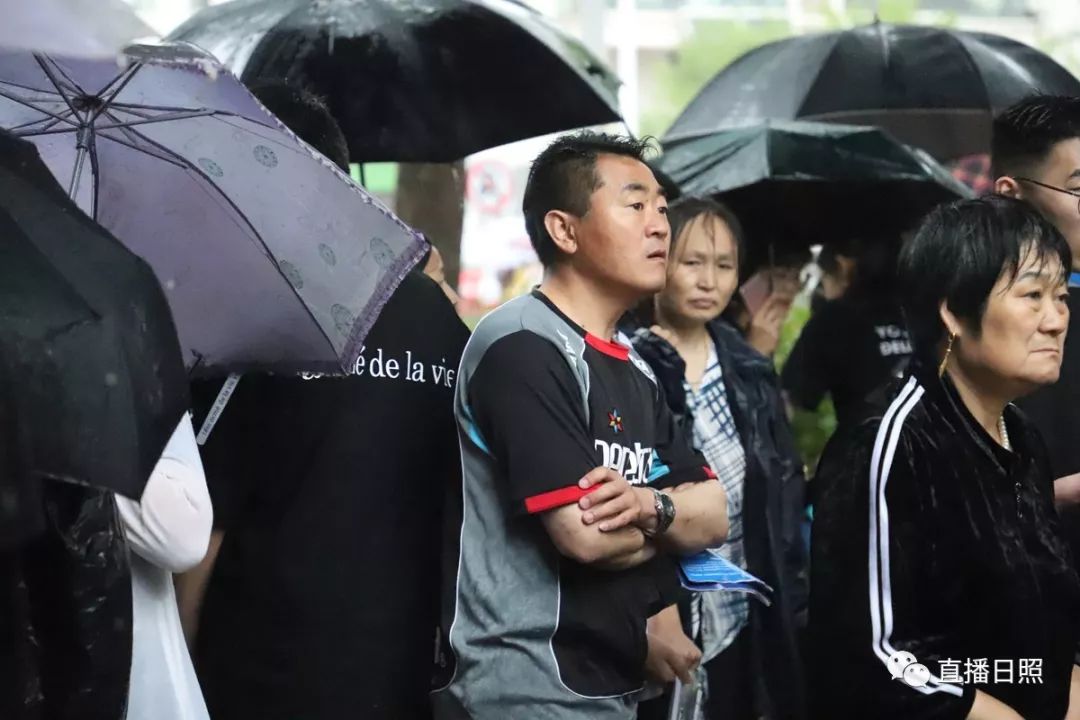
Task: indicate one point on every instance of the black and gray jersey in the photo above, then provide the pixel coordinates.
(540, 403)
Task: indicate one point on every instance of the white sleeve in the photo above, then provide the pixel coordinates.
(170, 524)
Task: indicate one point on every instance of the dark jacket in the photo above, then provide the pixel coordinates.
(932, 540)
(772, 503)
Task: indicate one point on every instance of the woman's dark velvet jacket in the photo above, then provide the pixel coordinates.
(931, 538)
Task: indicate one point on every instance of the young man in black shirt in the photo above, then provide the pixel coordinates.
(578, 489)
(1036, 157)
(853, 344)
(321, 587)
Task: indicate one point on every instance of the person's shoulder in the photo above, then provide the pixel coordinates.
(524, 324)
(418, 305)
(520, 339)
(896, 415)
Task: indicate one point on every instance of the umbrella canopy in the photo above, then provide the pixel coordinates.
(417, 80)
(86, 333)
(796, 184)
(74, 28)
(934, 88)
(271, 257)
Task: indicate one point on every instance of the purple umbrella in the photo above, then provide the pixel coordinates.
(271, 257)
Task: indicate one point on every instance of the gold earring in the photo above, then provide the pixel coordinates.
(945, 360)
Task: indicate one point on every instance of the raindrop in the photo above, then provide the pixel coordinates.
(327, 254)
(111, 379)
(170, 284)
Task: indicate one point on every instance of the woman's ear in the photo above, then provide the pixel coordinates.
(950, 321)
(562, 228)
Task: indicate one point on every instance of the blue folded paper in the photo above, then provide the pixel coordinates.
(708, 571)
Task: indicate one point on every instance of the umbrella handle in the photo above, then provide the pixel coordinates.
(217, 408)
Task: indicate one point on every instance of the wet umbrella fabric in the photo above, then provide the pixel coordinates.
(934, 88)
(270, 256)
(796, 184)
(87, 337)
(417, 80)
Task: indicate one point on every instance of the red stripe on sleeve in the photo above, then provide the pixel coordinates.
(555, 498)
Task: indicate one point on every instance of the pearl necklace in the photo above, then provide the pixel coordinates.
(1004, 432)
(1017, 487)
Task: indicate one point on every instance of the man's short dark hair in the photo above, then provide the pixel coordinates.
(686, 210)
(1025, 133)
(306, 115)
(958, 255)
(563, 177)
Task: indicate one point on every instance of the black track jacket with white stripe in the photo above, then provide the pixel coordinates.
(938, 566)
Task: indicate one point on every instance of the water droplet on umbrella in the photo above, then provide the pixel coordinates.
(327, 254)
(292, 274)
(111, 379)
(265, 156)
(211, 168)
(343, 319)
(384, 256)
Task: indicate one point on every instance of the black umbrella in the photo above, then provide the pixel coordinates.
(931, 87)
(796, 184)
(416, 80)
(86, 332)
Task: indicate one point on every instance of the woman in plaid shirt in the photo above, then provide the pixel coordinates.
(728, 399)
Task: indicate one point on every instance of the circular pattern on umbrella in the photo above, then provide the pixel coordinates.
(211, 167)
(384, 256)
(265, 156)
(343, 319)
(292, 274)
(327, 254)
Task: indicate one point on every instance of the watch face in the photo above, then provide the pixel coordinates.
(666, 510)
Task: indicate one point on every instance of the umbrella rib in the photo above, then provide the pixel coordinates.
(159, 119)
(144, 151)
(112, 82)
(130, 107)
(40, 133)
(27, 103)
(59, 88)
(133, 141)
(130, 73)
(49, 124)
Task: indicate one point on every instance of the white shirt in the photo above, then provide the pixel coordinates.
(168, 531)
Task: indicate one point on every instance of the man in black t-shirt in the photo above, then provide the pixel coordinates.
(848, 349)
(321, 584)
(578, 489)
(328, 497)
(1036, 157)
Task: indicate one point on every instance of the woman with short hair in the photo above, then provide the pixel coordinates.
(941, 585)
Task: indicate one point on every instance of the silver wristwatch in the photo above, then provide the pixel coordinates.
(665, 512)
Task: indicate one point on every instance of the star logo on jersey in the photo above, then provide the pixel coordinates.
(614, 421)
